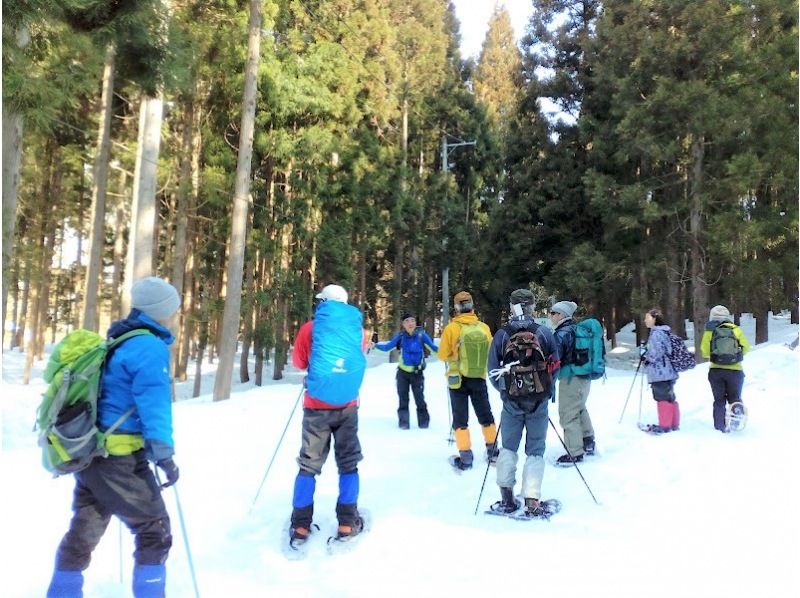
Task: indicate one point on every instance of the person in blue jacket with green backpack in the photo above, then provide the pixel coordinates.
(136, 393)
(413, 342)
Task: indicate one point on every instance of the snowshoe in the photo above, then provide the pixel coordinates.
(736, 417)
(347, 536)
(653, 429)
(297, 547)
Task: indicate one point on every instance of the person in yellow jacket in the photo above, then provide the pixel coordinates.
(725, 344)
(465, 348)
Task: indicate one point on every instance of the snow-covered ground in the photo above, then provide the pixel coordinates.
(694, 513)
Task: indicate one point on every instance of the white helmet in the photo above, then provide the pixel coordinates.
(333, 292)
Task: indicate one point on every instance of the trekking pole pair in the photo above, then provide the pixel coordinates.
(573, 460)
(633, 382)
(280, 441)
(185, 535)
(489, 463)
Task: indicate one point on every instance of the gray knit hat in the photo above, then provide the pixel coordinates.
(155, 298)
(567, 308)
(720, 313)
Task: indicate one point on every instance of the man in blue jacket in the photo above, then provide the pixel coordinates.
(525, 393)
(136, 382)
(412, 340)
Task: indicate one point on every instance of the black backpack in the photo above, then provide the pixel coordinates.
(528, 378)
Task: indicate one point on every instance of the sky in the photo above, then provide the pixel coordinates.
(474, 17)
(690, 513)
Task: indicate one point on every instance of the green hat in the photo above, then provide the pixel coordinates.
(524, 296)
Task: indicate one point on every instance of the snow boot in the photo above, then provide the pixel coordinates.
(568, 460)
(533, 508)
(66, 584)
(423, 418)
(588, 445)
(463, 461)
(149, 581)
(350, 522)
(507, 502)
(492, 452)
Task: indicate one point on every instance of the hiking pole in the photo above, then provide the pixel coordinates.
(450, 438)
(120, 550)
(186, 541)
(633, 382)
(184, 534)
(641, 392)
(488, 464)
(280, 441)
(573, 460)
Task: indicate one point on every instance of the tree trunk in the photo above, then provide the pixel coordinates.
(230, 321)
(94, 268)
(144, 213)
(249, 316)
(12, 165)
(674, 304)
(699, 286)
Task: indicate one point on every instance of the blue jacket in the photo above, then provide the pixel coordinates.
(137, 375)
(546, 341)
(412, 348)
(656, 359)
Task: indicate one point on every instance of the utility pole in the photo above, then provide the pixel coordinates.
(446, 149)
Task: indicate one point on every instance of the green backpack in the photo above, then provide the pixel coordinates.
(725, 347)
(67, 416)
(473, 350)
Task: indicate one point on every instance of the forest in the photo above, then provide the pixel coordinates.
(624, 154)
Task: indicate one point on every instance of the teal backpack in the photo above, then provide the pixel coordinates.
(67, 416)
(590, 350)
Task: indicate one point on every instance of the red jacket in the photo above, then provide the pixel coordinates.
(301, 354)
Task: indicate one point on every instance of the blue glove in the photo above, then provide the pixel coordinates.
(642, 351)
(170, 470)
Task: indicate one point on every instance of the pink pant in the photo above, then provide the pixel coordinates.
(669, 414)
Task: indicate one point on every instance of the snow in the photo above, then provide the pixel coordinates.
(690, 513)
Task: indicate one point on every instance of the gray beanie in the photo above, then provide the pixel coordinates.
(155, 298)
(565, 307)
(720, 313)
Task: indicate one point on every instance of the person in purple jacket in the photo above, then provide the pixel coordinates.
(661, 374)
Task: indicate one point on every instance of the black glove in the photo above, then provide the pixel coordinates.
(170, 470)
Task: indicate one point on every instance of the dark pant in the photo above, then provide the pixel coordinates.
(319, 426)
(475, 389)
(123, 486)
(416, 382)
(726, 386)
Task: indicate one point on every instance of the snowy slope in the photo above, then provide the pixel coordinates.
(690, 513)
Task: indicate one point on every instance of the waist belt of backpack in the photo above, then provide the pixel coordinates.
(121, 444)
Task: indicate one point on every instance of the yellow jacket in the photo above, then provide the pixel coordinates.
(448, 346)
(705, 344)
